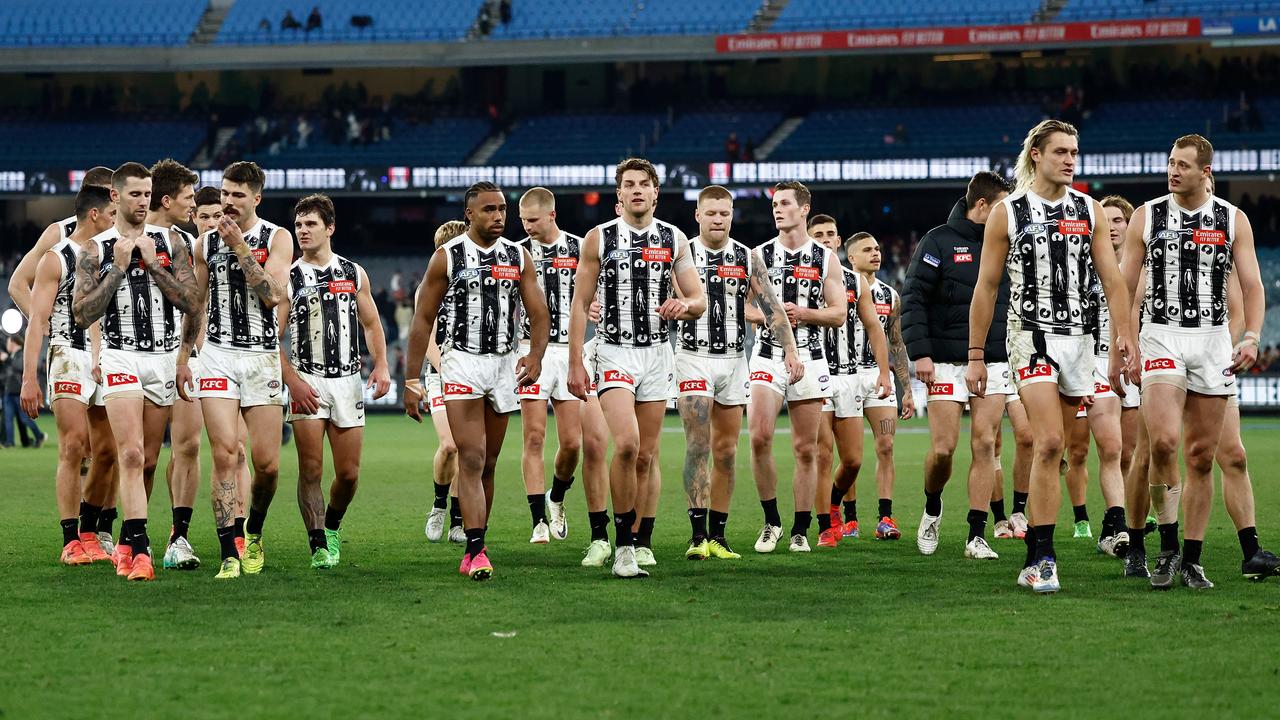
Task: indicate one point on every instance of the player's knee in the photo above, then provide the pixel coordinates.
(1048, 447)
(1077, 453)
(724, 454)
(1199, 457)
(471, 461)
(1108, 449)
(571, 446)
(188, 448)
(761, 442)
(266, 469)
(942, 451)
(310, 470)
(1164, 445)
(73, 446)
(347, 476)
(806, 451)
(626, 449)
(1233, 457)
(132, 457)
(1024, 440)
(884, 447)
(850, 466)
(535, 438)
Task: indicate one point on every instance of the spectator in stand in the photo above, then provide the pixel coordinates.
(290, 22)
(749, 150)
(504, 11)
(732, 150)
(264, 25)
(303, 130)
(314, 21)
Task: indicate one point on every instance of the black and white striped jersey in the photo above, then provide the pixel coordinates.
(1188, 260)
(636, 277)
(483, 298)
(324, 321)
(138, 318)
(726, 280)
(1102, 326)
(885, 299)
(66, 226)
(237, 318)
(62, 328)
(797, 277)
(1050, 263)
(843, 344)
(557, 265)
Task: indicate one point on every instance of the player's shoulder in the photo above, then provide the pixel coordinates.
(1225, 204)
(155, 230)
(65, 226)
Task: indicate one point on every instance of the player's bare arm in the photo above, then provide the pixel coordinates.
(91, 296)
(41, 306)
(584, 293)
(24, 275)
(178, 287)
(692, 300)
(374, 337)
(770, 309)
(875, 336)
(1117, 294)
(835, 313)
(898, 356)
(1251, 291)
(529, 367)
(995, 252)
(431, 294)
(266, 282)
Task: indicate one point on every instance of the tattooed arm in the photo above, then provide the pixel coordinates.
(267, 282)
(898, 356)
(178, 287)
(92, 294)
(775, 316)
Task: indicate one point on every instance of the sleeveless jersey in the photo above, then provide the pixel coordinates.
(1188, 259)
(1050, 263)
(483, 297)
(885, 298)
(842, 344)
(726, 281)
(557, 266)
(797, 277)
(237, 318)
(66, 226)
(636, 278)
(138, 318)
(324, 322)
(62, 328)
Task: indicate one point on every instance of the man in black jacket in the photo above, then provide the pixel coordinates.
(935, 326)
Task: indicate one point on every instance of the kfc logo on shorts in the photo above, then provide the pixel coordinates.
(1159, 364)
(458, 389)
(761, 376)
(1209, 237)
(616, 376)
(806, 273)
(658, 255)
(529, 389)
(693, 386)
(733, 272)
(260, 254)
(437, 402)
(962, 258)
(66, 387)
(1073, 227)
(1099, 388)
(1035, 371)
(115, 379)
(942, 389)
(213, 384)
(565, 263)
(342, 287)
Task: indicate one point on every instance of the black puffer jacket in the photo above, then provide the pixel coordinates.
(939, 290)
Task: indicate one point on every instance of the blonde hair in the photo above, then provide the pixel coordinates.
(1124, 206)
(538, 198)
(1036, 139)
(449, 231)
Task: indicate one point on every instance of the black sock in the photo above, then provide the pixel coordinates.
(837, 495)
(644, 536)
(1030, 540)
(698, 522)
(771, 516)
(622, 524)
(1019, 502)
(455, 513)
(317, 539)
(136, 532)
(824, 522)
(559, 488)
(997, 510)
(718, 522)
(800, 525)
(475, 541)
(1137, 540)
(932, 503)
(254, 525)
(1044, 541)
(1169, 537)
(227, 542)
(333, 517)
(1081, 513)
(89, 515)
(850, 510)
(537, 507)
(1248, 542)
(181, 523)
(599, 522)
(886, 507)
(238, 527)
(106, 519)
(977, 524)
(442, 496)
(1191, 552)
(70, 530)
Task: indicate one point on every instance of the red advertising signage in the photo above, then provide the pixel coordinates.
(975, 36)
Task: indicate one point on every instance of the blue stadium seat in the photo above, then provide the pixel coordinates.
(81, 22)
(42, 144)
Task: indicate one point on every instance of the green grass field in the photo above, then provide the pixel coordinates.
(868, 629)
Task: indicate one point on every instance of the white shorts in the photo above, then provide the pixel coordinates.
(815, 385)
(1066, 360)
(70, 375)
(553, 381)
(589, 359)
(648, 372)
(1102, 385)
(1195, 359)
(948, 382)
(435, 394)
(193, 390)
(722, 378)
(870, 398)
(150, 375)
(250, 376)
(341, 400)
(846, 397)
(467, 376)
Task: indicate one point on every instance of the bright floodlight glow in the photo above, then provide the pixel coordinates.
(11, 321)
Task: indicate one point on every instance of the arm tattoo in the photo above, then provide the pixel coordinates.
(898, 350)
(191, 327)
(767, 301)
(93, 294)
(696, 413)
(179, 286)
(257, 279)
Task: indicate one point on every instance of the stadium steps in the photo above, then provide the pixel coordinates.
(779, 134)
(1049, 10)
(766, 15)
(211, 22)
(487, 148)
(207, 154)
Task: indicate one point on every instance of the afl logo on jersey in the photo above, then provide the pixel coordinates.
(1167, 235)
(618, 255)
(468, 274)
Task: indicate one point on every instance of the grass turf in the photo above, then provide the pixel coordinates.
(870, 628)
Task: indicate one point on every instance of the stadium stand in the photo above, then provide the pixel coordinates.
(390, 21)
(443, 141)
(828, 14)
(702, 135)
(571, 18)
(569, 139)
(81, 22)
(45, 144)
(1124, 9)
